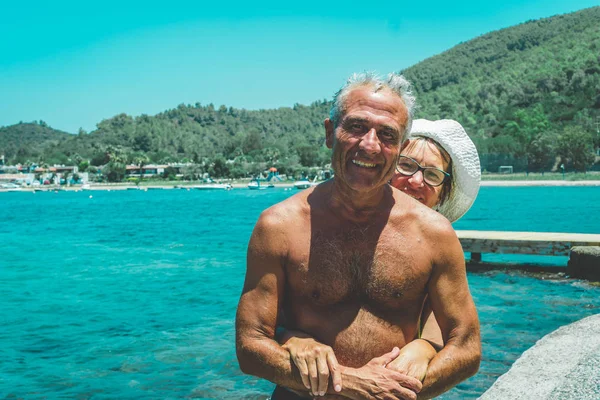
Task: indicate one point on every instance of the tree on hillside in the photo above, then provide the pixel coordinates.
(541, 152)
(577, 148)
(142, 142)
(219, 168)
(116, 154)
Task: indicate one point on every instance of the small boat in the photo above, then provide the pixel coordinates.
(214, 186)
(302, 184)
(255, 185)
(86, 186)
(11, 186)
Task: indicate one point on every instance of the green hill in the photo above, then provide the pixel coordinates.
(519, 87)
(525, 94)
(28, 141)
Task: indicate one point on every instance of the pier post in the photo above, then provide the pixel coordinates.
(584, 263)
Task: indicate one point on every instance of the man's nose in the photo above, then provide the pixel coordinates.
(416, 179)
(370, 142)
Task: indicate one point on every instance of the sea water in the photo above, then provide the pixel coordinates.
(132, 294)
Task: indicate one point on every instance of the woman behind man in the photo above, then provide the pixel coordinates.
(439, 167)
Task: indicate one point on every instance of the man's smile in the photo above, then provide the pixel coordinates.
(363, 164)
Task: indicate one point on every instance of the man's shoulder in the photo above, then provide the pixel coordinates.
(425, 218)
(286, 211)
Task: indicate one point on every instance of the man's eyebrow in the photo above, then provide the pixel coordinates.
(391, 129)
(354, 119)
(384, 127)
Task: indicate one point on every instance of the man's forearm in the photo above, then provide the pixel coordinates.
(266, 359)
(449, 367)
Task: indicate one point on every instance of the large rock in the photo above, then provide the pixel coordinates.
(584, 263)
(563, 365)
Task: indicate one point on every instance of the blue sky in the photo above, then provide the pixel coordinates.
(74, 63)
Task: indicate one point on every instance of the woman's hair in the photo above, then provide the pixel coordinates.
(447, 185)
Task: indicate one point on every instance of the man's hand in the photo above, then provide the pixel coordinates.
(374, 381)
(315, 361)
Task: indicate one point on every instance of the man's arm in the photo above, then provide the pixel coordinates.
(456, 315)
(257, 350)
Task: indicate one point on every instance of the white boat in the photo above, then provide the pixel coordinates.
(86, 186)
(305, 183)
(255, 185)
(302, 184)
(214, 186)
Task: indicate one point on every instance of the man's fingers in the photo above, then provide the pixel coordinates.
(413, 384)
(408, 382)
(313, 377)
(406, 394)
(336, 376)
(385, 359)
(303, 368)
(323, 370)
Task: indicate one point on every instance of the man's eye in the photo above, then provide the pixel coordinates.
(388, 135)
(356, 127)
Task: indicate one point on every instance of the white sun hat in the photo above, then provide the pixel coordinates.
(466, 170)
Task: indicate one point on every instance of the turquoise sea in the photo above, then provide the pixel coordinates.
(132, 295)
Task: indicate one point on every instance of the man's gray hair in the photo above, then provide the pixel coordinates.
(394, 82)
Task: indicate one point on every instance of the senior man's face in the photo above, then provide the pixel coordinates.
(366, 142)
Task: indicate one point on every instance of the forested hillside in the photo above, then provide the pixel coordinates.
(529, 90)
(525, 94)
(28, 140)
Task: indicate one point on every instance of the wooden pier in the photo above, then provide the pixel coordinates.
(536, 243)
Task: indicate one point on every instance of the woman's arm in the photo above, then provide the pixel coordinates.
(430, 330)
(414, 358)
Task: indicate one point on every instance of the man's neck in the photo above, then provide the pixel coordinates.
(358, 206)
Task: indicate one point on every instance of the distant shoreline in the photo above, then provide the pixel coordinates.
(243, 185)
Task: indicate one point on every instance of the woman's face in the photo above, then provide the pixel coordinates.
(427, 155)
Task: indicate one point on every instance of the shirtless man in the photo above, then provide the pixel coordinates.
(350, 262)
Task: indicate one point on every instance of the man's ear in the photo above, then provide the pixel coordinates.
(329, 133)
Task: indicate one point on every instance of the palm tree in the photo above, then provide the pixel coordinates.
(140, 160)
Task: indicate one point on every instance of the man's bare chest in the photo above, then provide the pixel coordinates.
(384, 270)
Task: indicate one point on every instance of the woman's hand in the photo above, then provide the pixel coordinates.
(414, 359)
(315, 361)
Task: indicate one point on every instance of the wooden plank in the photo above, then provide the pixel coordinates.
(540, 243)
(592, 239)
